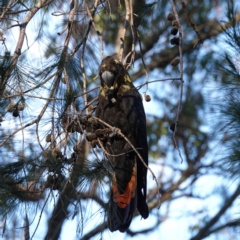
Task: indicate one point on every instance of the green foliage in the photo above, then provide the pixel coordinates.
(229, 107)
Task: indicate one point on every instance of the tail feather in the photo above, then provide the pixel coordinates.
(122, 206)
(142, 205)
(124, 199)
(120, 218)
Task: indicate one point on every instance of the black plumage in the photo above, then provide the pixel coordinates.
(120, 105)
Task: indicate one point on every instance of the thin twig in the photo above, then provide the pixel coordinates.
(40, 216)
(125, 60)
(19, 46)
(192, 24)
(56, 81)
(134, 34)
(126, 24)
(38, 85)
(89, 104)
(95, 26)
(6, 10)
(84, 77)
(70, 21)
(181, 76)
(112, 155)
(159, 80)
(19, 129)
(87, 32)
(143, 62)
(64, 30)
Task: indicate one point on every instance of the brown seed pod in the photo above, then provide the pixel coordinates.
(66, 122)
(174, 41)
(77, 148)
(175, 62)
(46, 154)
(147, 98)
(101, 132)
(65, 119)
(90, 109)
(79, 129)
(173, 126)
(175, 23)
(50, 179)
(93, 121)
(48, 138)
(20, 107)
(11, 107)
(91, 136)
(64, 80)
(88, 128)
(15, 113)
(170, 17)
(174, 30)
(94, 143)
(57, 153)
(72, 126)
(74, 157)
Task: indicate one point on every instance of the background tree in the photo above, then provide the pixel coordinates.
(49, 62)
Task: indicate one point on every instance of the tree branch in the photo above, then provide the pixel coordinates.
(205, 231)
(95, 231)
(68, 193)
(162, 59)
(235, 223)
(18, 48)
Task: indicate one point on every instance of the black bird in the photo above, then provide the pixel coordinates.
(120, 105)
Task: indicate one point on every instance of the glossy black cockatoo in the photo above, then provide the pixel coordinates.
(120, 105)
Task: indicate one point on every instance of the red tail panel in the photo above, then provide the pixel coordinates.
(124, 199)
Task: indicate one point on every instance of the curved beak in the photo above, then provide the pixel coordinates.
(108, 78)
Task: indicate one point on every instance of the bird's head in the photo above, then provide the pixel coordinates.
(109, 70)
(113, 76)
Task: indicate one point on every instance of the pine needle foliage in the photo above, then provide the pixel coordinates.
(229, 69)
